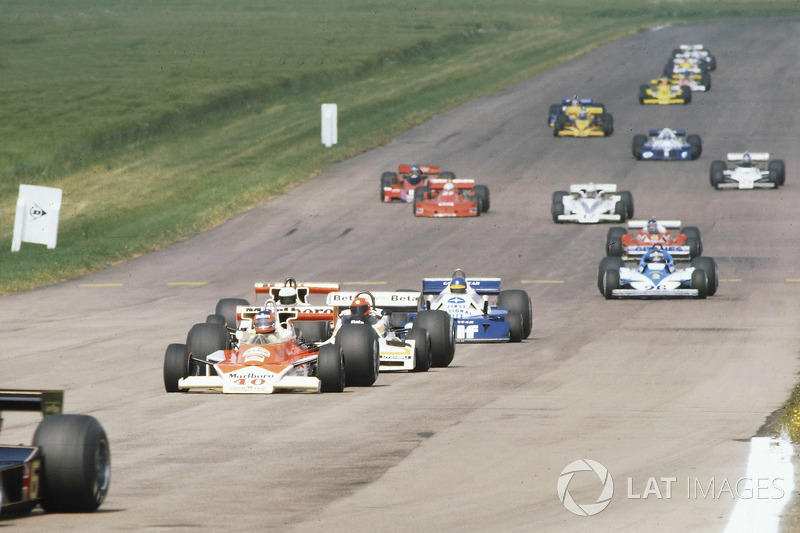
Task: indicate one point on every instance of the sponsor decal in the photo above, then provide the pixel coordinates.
(467, 332)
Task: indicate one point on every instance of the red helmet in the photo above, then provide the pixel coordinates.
(359, 307)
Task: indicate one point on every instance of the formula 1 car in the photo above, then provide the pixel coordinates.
(684, 245)
(402, 184)
(752, 170)
(427, 340)
(576, 102)
(583, 121)
(657, 277)
(451, 198)
(590, 203)
(687, 65)
(476, 320)
(261, 355)
(662, 91)
(696, 51)
(67, 468)
(667, 145)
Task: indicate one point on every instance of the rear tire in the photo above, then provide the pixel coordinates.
(76, 463)
(386, 181)
(515, 328)
(313, 330)
(696, 145)
(519, 302)
(359, 344)
(482, 192)
(622, 210)
(627, 197)
(227, 308)
(777, 168)
(614, 241)
(692, 232)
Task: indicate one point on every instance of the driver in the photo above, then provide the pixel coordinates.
(416, 175)
(666, 133)
(654, 228)
(361, 310)
(287, 296)
(458, 285)
(267, 330)
(747, 161)
(591, 191)
(449, 188)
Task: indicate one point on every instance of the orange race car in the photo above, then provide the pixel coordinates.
(263, 354)
(451, 198)
(683, 245)
(401, 185)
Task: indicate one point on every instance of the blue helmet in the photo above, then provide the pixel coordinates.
(265, 321)
(458, 284)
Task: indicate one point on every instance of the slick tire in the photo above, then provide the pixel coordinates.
(441, 329)
(422, 349)
(519, 302)
(176, 366)
(359, 344)
(331, 368)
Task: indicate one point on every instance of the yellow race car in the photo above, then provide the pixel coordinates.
(583, 121)
(664, 92)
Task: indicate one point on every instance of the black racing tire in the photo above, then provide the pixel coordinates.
(441, 329)
(76, 463)
(561, 121)
(552, 113)
(608, 124)
(398, 320)
(386, 181)
(712, 62)
(692, 232)
(614, 241)
(558, 196)
(518, 301)
(643, 93)
(516, 329)
(205, 338)
(637, 146)
(609, 262)
(777, 171)
(312, 330)
(686, 94)
(710, 267)
(359, 343)
(622, 210)
(447, 175)
(716, 175)
(557, 207)
(215, 319)
(694, 247)
(705, 79)
(227, 308)
(176, 366)
(700, 282)
(482, 192)
(610, 282)
(422, 349)
(420, 194)
(696, 144)
(627, 197)
(330, 368)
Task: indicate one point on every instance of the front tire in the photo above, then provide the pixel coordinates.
(708, 265)
(717, 173)
(422, 349)
(696, 145)
(76, 463)
(331, 368)
(519, 302)
(610, 283)
(638, 145)
(177, 366)
(359, 344)
(482, 192)
(700, 282)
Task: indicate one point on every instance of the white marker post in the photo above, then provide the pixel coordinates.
(330, 132)
(38, 209)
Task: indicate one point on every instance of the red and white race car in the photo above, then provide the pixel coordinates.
(683, 245)
(451, 198)
(401, 185)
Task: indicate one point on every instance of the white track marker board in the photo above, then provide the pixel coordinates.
(330, 132)
(38, 209)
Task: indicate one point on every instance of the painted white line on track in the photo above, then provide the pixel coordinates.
(767, 488)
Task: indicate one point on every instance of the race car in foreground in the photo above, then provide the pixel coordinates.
(67, 469)
(401, 185)
(656, 276)
(696, 51)
(590, 203)
(663, 92)
(451, 198)
(667, 144)
(476, 320)
(262, 355)
(415, 345)
(751, 170)
(580, 120)
(683, 245)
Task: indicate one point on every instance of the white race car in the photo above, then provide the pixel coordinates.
(429, 340)
(696, 51)
(751, 170)
(590, 203)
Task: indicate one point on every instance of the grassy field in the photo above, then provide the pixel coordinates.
(161, 119)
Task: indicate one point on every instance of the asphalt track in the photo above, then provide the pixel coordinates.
(648, 389)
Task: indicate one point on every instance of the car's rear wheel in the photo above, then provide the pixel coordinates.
(312, 330)
(518, 301)
(386, 181)
(76, 463)
(622, 210)
(695, 144)
(441, 329)
(227, 308)
(516, 329)
(359, 344)
(614, 241)
(777, 171)
(692, 232)
(482, 192)
(627, 197)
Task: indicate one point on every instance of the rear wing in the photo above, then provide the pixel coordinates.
(285, 315)
(459, 183)
(479, 285)
(641, 224)
(426, 169)
(581, 101)
(579, 188)
(272, 290)
(679, 133)
(691, 47)
(47, 402)
(404, 301)
(754, 156)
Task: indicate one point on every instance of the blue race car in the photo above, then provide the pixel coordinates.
(476, 320)
(667, 145)
(656, 276)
